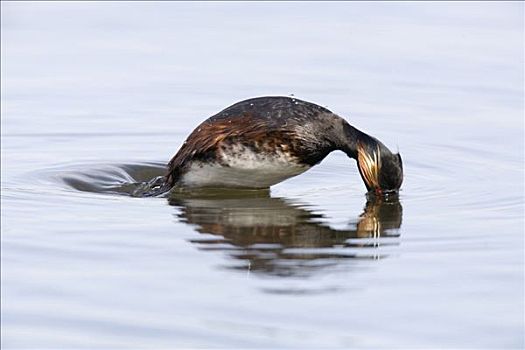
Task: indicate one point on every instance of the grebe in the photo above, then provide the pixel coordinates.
(262, 141)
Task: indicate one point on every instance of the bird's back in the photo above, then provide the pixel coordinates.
(273, 111)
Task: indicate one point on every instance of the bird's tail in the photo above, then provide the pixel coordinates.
(156, 187)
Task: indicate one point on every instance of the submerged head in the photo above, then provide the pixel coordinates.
(380, 169)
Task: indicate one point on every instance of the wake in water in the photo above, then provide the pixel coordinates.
(135, 180)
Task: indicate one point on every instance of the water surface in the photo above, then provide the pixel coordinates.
(96, 98)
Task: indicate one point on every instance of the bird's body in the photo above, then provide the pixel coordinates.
(259, 142)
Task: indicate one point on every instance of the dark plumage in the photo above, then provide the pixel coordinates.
(262, 141)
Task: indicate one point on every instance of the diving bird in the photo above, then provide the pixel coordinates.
(262, 141)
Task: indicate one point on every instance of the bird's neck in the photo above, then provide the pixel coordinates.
(352, 137)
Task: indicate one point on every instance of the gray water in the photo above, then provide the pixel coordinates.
(97, 97)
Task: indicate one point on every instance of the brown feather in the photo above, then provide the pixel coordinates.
(212, 134)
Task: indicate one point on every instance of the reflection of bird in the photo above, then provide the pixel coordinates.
(379, 216)
(259, 142)
(277, 237)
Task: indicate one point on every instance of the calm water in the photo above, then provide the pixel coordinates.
(96, 97)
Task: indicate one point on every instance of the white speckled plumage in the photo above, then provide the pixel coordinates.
(241, 167)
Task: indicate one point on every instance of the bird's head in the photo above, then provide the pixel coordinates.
(380, 169)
